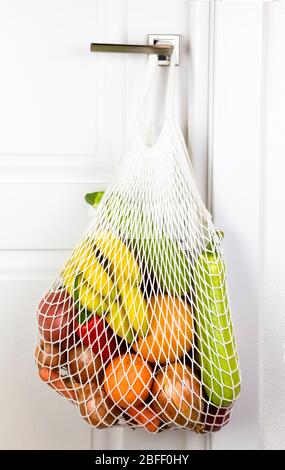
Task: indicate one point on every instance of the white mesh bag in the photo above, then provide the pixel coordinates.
(136, 329)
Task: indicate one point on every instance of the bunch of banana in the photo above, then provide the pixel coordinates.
(127, 276)
(103, 277)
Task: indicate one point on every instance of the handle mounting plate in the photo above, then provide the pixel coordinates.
(173, 39)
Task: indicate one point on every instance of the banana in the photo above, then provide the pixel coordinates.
(135, 306)
(80, 253)
(108, 274)
(87, 299)
(122, 260)
(84, 296)
(84, 260)
(91, 300)
(119, 322)
(74, 263)
(99, 279)
(127, 277)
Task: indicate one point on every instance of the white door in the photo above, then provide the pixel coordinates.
(64, 116)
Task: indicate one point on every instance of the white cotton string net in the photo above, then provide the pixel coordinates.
(136, 329)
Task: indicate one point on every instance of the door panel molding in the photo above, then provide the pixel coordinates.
(236, 197)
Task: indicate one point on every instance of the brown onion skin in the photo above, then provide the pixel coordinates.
(144, 416)
(96, 407)
(168, 402)
(61, 385)
(49, 355)
(84, 365)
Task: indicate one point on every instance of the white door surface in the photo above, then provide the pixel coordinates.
(64, 117)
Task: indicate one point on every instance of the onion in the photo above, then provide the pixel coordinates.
(144, 415)
(96, 407)
(84, 365)
(48, 355)
(178, 396)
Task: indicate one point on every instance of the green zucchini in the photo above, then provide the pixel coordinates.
(216, 348)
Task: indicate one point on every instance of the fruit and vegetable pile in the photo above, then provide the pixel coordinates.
(138, 331)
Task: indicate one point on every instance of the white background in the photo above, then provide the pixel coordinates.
(64, 116)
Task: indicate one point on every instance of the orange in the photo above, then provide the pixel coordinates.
(128, 379)
(145, 416)
(171, 330)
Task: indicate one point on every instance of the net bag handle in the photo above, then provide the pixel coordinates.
(144, 118)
